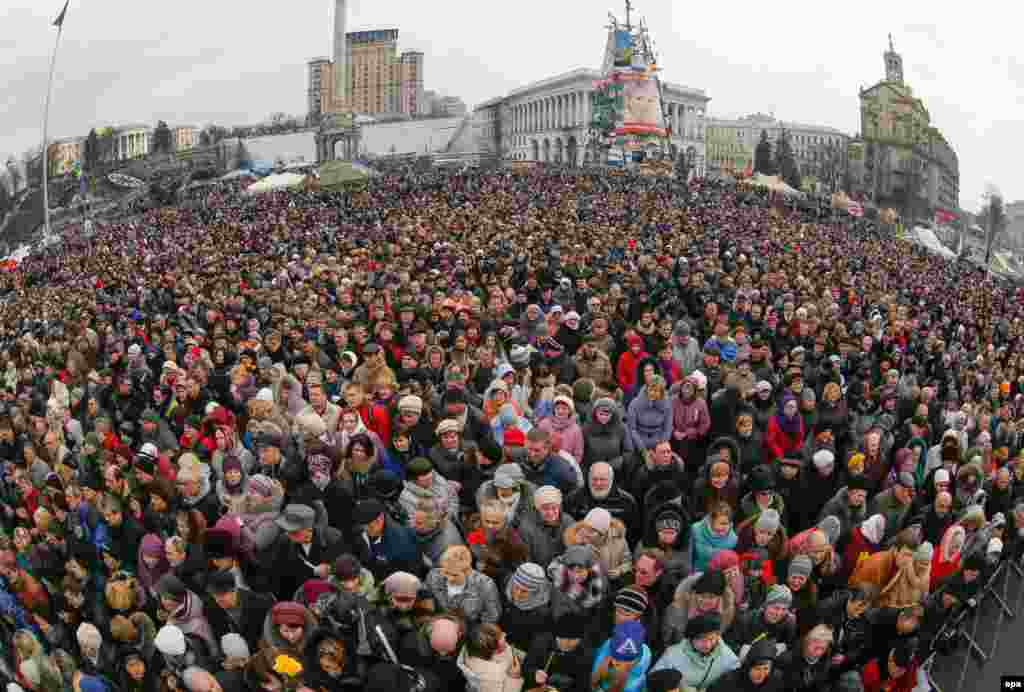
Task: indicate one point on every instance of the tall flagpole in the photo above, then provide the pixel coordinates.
(46, 125)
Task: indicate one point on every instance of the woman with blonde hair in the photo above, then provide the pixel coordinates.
(458, 588)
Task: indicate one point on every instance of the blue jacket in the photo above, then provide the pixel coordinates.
(637, 679)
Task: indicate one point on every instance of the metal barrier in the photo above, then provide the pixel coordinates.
(979, 629)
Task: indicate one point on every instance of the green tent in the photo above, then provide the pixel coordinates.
(335, 175)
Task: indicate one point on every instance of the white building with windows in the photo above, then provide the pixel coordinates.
(133, 141)
(549, 120)
(731, 144)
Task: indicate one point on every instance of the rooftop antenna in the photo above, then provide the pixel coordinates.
(891, 49)
(629, 8)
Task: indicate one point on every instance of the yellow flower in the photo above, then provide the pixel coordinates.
(286, 665)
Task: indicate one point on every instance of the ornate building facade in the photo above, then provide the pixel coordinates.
(549, 120)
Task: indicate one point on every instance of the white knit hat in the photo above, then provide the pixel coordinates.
(265, 394)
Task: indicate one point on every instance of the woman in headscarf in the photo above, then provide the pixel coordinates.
(946, 560)
(785, 432)
(231, 485)
(527, 605)
(607, 536)
(563, 421)
(865, 540)
(152, 563)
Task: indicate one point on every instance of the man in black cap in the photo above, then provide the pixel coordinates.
(382, 545)
(233, 609)
(303, 551)
(560, 658)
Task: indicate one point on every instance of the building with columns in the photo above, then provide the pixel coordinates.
(549, 120)
(133, 141)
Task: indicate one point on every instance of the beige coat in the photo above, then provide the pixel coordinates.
(492, 675)
(613, 553)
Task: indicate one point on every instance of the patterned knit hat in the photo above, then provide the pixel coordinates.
(631, 601)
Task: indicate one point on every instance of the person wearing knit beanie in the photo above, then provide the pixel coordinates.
(824, 460)
(547, 495)
(779, 595)
(529, 588)
(630, 604)
(800, 567)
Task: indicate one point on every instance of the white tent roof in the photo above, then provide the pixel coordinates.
(280, 181)
(927, 238)
(775, 184)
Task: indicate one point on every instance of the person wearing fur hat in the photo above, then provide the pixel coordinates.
(702, 657)
(807, 667)
(579, 584)
(287, 629)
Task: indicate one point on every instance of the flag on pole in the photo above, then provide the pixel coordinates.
(59, 21)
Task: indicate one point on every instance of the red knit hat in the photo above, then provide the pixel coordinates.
(514, 437)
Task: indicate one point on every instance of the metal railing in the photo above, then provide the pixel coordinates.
(979, 630)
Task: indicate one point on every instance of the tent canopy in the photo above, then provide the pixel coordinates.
(927, 239)
(774, 183)
(336, 174)
(239, 173)
(281, 181)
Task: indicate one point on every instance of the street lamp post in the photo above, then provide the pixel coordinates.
(59, 23)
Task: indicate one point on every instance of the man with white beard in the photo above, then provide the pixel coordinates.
(601, 491)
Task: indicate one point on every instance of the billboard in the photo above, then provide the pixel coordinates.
(641, 106)
(623, 48)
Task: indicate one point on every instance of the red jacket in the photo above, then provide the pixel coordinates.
(777, 442)
(871, 676)
(857, 549)
(626, 370)
(376, 419)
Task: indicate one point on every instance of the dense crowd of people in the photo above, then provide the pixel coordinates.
(492, 432)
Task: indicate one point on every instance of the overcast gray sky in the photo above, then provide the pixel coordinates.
(224, 61)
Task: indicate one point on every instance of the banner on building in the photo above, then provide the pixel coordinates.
(641, 106)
